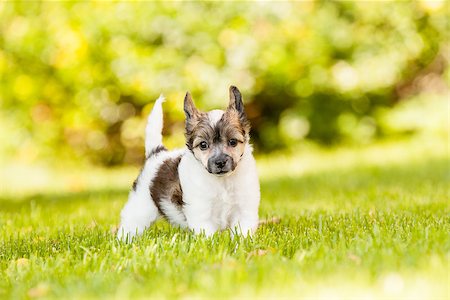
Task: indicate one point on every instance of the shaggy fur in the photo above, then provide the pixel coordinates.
(210, 185)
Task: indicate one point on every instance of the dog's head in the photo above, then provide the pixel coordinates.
(217, 138)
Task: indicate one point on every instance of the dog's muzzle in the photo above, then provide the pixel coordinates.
(220, 164)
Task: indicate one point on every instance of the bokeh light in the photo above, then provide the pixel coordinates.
(78, 79)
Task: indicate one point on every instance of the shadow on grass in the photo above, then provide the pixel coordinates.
(62, 199)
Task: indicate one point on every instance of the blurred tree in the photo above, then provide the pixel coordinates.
(78, 79)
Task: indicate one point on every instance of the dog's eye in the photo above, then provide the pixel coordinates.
(203, 145)
(232, 142)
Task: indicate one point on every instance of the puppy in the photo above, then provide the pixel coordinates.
(210, 185)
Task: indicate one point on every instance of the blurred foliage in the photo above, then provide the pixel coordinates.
(78, 79)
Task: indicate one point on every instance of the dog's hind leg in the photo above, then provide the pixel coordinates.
(153, 131)
(138, 214)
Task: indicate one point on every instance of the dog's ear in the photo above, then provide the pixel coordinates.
(192, 118)
(236, 100)
(189, 107)
(237, 105)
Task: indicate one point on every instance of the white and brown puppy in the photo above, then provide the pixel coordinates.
(210, 185)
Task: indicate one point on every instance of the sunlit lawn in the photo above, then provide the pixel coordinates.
(362, 223)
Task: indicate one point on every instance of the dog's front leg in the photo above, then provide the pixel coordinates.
(201, 224)
(245, 218)
(206, 227)
(245, 222)
(199, 219)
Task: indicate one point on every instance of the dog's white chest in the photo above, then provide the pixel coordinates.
(214, 203)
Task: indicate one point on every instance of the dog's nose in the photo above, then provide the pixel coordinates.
(220, 163)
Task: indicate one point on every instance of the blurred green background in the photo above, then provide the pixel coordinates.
(78, 79)
(349, 103)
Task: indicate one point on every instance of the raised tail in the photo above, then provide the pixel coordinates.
(153, 131)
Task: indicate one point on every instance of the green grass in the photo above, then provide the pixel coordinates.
(353, 223)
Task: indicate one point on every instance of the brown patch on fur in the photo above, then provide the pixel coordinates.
(230, 127)
(233, 123)
(166, 184)
(197, 126)
(156, 150)
(195, 120)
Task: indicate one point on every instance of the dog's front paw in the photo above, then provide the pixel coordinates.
(244, 229)
(207, 229)
(126, 235)
(237, 232)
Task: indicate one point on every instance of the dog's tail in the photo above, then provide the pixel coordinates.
(153, 131)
